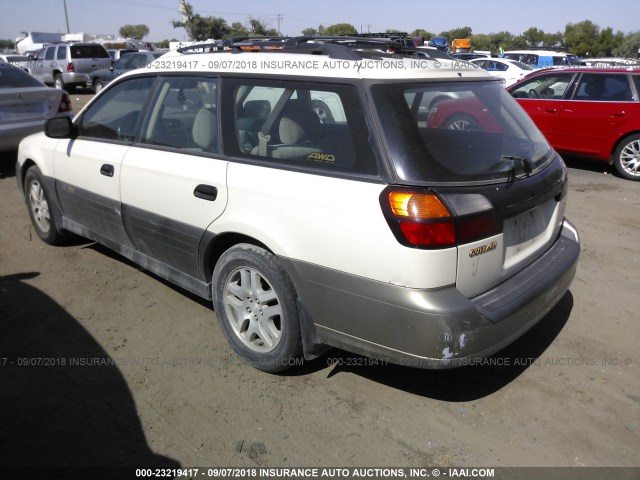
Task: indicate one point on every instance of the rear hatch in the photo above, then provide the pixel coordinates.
(23, 99)
(89, 57)
(468, 146)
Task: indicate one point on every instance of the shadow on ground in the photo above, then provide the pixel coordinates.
(460, 384)
(55, 413)
(453, 385)
(8, 164)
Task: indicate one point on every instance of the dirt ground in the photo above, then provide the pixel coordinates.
(134, 371)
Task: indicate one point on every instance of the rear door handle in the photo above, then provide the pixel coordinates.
(618, 114)
(106, 170)
(206, 192)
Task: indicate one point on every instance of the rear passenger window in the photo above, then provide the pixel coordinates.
(604, 87)
(636, 81)
(115, 114)
(61, 53)
(184, 115)
(303, 125)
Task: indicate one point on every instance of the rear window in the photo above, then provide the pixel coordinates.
(12, 77)
(458, 132)
(88, 51)
(16, 58)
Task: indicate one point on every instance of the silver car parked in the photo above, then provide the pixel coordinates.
(25, 104)
(68, 65)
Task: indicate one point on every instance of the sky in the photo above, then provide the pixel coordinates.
(483, 16)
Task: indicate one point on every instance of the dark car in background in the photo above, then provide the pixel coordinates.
(130, 61)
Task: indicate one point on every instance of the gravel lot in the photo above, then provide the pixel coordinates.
(135, 371)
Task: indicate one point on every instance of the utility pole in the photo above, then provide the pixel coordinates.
(66, 17)
(279, 18)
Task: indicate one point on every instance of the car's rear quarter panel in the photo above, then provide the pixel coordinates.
(328, 221)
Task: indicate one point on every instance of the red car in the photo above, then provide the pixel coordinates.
(590, 112)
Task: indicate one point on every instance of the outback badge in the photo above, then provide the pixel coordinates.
(483, 249)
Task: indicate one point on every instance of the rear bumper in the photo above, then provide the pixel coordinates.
(433, 328)
(73, 78)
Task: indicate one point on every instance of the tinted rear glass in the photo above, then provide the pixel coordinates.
(88, 51)
(457, 132)
(12, 77)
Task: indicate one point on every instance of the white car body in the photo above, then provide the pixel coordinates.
(509, 70)
(240, 201)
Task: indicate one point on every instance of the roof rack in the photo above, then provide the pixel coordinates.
(343, 47)
(380, 35)
(212, 46)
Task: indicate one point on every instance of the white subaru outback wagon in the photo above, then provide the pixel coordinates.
(303, 189)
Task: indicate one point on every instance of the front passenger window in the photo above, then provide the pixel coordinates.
(115, 114)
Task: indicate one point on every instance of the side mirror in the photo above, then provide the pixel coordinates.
(60, 127)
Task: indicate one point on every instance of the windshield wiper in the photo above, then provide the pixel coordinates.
(524, 162)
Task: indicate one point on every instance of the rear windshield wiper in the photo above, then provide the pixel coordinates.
(525, 163)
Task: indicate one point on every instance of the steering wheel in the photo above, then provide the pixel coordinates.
(533, 94)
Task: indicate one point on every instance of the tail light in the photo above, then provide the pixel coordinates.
(70, 67)
(421, 219)
(65, 104)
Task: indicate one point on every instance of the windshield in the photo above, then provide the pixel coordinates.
(458, 132)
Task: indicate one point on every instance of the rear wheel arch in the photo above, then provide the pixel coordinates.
(625, 156)
(256, 303)
(214, 249)
(617, 143)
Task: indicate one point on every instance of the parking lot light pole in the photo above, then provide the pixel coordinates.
(66, 17)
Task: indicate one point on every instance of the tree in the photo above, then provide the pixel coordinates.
(608, 42)
(200, 28)
(238, 30)
(554, 41)
(463, 32)
(480, 41)
(581, 38)
(424, 34)
(630, 46)
(309, 32)
(8, 44)
(340, 29)
(134, 31)
(258, 27)
(165, 43)
(532, 38)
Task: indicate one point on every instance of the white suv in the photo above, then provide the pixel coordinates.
(301, 188)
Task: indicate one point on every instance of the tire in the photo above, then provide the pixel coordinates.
(41, 210)
(461, 122)
(323, 112)
(255, 302)
(98, 86)
(58, 83)
(626, 158)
